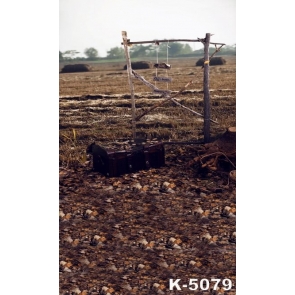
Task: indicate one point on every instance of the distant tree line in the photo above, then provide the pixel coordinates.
(91, 54)
(174, 49)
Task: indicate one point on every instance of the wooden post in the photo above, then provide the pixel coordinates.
(131, 86)
(206, 90)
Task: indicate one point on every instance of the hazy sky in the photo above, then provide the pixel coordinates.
(99, 23)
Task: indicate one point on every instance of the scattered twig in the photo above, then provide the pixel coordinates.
(218, 154)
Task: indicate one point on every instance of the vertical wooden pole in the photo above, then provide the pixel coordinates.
(131, 86)
(206, 90)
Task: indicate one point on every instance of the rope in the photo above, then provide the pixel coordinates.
(167, 55)
(157, 54)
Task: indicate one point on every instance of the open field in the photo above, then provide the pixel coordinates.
(123, 242)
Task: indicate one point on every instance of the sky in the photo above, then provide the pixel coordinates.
(99, 23)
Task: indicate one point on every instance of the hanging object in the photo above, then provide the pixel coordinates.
(167, 93)
(162, 65)
(162, 79)
(164, 93)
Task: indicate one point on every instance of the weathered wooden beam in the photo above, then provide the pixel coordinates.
(190, 110)
(170, 40)
(131, 86)
(164, 93)
(206, 90)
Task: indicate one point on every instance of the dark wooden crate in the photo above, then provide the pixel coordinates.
(112, 162)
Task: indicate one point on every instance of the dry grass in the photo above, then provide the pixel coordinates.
(97, 105)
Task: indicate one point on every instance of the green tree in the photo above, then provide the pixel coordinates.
(115, 52)
(91, 53)
(139, 50)
(186, 49)
(61, 58)
(175, 48)
(70, 54)
(229, 49)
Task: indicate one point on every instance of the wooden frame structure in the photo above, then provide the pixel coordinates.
(167, 94)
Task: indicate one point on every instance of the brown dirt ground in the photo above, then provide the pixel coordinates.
(131, 234)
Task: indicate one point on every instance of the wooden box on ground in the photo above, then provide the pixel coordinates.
(112, 163)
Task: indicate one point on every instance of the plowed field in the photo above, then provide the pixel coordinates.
(131, 234)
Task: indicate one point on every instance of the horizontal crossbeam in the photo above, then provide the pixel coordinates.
(157, 42)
